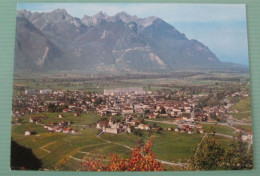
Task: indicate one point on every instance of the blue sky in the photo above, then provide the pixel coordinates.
(221, 27)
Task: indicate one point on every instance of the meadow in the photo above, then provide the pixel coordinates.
(219, 129)
(59, 151)
(97, 83)
(243, 108)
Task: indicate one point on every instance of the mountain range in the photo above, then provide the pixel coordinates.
(54, 41)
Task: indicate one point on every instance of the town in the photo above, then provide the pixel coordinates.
(65, 121)
(132, 105)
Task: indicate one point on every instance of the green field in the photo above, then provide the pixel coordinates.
(87, 86)
(245, 116)
(59, 151)
(219, 129)
(68, 81)
(168, 146)
(246, 128)
(123, 138)
(244, 110)
(243, 105)
(175, 147)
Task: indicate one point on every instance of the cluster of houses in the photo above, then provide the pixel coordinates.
(61, 127)
(124, 126)
(125, 102)
(118, 102)
(189, 127)
(240, 94)
(125, 91)
(34, 91)
(247, 137)
(33, 103)
(114, 127)
(154, 105)
(37, 119)
(189, 124)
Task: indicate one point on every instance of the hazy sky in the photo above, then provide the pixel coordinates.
(222, 28)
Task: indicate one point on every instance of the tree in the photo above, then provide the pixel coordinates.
(213, 102)
(98, 101)
(162, 110)
(154, 125)
(208, 155)
(147, 111)
(136, 132)
(213, 116)
(78, 110)
(140, 143)
(142, 120)
(220, 95)
(239, 155)
(142, 159)
(102, 119)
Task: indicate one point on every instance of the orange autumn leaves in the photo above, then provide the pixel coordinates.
(141, 159)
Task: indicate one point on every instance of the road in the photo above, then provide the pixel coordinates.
(224, 135)
(235, 123)
(165, 122)
(225, 124)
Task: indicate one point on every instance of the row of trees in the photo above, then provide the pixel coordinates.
(56, 108)
(210, 154)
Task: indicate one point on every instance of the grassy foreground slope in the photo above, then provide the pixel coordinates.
(59, 151)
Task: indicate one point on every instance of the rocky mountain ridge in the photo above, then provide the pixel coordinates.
(55, 40)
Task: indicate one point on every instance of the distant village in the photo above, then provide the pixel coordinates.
(133, 104)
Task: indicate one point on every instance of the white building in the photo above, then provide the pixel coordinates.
(125, 91)
(27, 133)
(143, 127)
(45, 91)
(112, 127)
(30, 91)
(127, 111)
